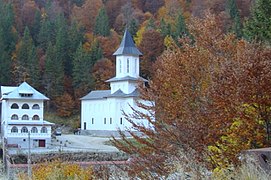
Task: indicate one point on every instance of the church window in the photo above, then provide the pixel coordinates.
(110, 120)
(34, 130)
(25, 106)
(128, 65)
(14, 129)
(24, 130)
(104, 120)
(120, 65)
(25, 117)
(120, 120)
(43, 130)
(14, 106)
(92, 120)
(14, 117)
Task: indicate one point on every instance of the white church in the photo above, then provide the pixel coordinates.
(102, 110)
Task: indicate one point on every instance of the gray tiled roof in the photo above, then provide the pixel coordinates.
(9, 92)
(119, 93)
(126, 78)
(93, 95)
(127, 46)
(96, 95)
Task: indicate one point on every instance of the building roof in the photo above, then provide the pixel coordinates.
(10, 92)
(95, 95)
(126, 78)
(121, 94)
(127, 46)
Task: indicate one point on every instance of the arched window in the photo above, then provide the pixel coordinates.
(25, 117)
(35, 106)
(14, 117)
(35, 117)
(14, 106)
(120, 65)
(128, 65)
(24, 130)
(34, 130)
(43, 130)
(25, 106)
(14, 129)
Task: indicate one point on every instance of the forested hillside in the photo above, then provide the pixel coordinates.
(64, 48)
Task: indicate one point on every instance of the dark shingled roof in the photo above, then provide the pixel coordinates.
(127, 45)
(126, 78)
(93, 95)
(119, 93)
(96, 95)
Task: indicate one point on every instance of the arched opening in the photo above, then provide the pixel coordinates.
(14, 106)
(25, 106)
(24, 130)
(14, 129)
(35, 106)
(34, 130)
(43, 130)
(25, 117)
(14, 117)
(35, 117)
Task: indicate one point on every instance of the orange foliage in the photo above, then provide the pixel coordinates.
(65, 105)
(213, 92)
(86, 14)
(103, 70)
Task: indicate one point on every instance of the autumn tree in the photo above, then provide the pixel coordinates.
(258, 26)
(151, 46)
(210, 93)
(102, 71)
(86, 14)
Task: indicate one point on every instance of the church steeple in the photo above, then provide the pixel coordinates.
(127, 46)
(127, 66)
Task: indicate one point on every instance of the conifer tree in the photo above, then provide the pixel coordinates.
(235, 16)
(102, 24)
(7, 41)
(181, 29)
(258, 26)
(81, 70)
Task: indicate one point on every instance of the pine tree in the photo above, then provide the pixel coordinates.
(165, 28)
(181, 29)
(235, 16)
(7, 42)
(102, 24)
(81, 70)
(54, 73)
(258, 26)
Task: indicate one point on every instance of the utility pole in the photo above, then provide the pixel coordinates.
(28, 158)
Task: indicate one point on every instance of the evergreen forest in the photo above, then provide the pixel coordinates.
(208, 64)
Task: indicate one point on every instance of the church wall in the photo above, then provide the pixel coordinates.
(105, 114)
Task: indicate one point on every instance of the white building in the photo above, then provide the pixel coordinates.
(102, 111)
(22, 117)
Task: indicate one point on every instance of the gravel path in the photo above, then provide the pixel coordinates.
(70, 142)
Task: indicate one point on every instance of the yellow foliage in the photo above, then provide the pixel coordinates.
(59, 170)
(139, 35)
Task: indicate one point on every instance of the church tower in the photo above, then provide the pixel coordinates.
(127, 66)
